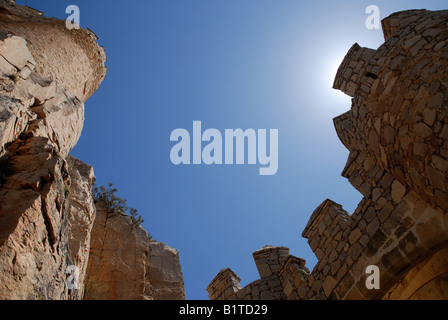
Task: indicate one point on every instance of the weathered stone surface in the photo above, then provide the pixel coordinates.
(268, 260)
(426, 281)
(118, 267)
(13, 120)
(81, 215)
(40, 122)
(14, 51)
(275, 283)
(34, 230)
(71, 56)
(224, 286)
(47, 211)
(124, 264)
(165, 273)
(39, 105)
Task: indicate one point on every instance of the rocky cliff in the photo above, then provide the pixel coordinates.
(49, 222)
(124, 263)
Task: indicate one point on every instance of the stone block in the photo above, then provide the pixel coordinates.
(354, 236)
(398, 191)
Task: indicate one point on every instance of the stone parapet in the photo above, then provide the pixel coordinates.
(397, 134)
(224, 285)
(269, 259)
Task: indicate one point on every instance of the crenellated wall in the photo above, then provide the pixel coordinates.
(273, 264)
(397, 135)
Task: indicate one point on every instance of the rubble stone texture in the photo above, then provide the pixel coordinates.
(48, 218)
(397, 135)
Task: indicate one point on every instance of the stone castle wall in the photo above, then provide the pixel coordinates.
(397, 135)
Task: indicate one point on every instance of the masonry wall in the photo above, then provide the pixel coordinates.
(397, 135)
(269, 260)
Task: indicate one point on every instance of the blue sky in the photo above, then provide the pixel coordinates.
(231, 64)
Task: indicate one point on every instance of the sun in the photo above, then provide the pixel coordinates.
(333, 69)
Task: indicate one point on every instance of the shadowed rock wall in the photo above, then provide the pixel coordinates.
(48, 217)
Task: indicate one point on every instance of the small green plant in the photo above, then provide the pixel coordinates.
(135, 217)
(107, 195)
(115, 204)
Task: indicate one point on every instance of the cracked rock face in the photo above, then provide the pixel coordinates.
(165, 273)
(41, 121)
(125, 264)
(33, 245)
(118, 266)
(81, 216)
(33, 105)
(71, 56)
(48, 219)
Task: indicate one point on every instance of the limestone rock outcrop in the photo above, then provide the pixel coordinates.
(165, 274)
(118, 266)
(48, 217)
(397, 135)
(125, 264)
(81, 216)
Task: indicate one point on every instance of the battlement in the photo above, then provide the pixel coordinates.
(349, 75)
(224, 285)
(269, 259)
(397, 133)
(273, 264)
(327, 217)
